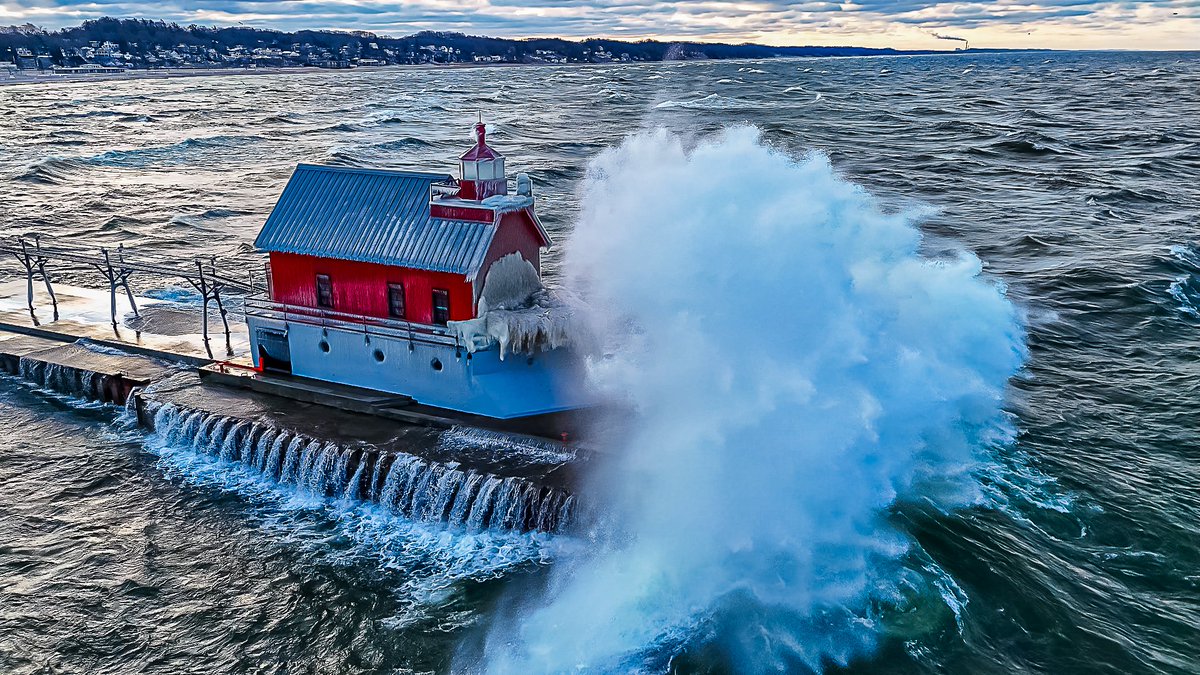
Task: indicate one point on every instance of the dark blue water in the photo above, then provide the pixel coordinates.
(1074, 177)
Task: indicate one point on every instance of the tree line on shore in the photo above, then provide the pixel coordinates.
(142, 37)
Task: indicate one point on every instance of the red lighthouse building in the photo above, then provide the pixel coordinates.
(368, 267)
(391, 244)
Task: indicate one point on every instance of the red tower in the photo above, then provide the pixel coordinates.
(481, 170)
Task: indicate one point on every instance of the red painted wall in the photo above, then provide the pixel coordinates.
(517, 233)
(461, 213)
(482, 189)
(361, 288)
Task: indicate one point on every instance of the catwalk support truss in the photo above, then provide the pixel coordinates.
(117, 265)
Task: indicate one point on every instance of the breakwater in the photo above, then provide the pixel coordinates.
(462, 478)
(88, 380)
(417, 488)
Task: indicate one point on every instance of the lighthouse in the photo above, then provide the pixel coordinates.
(371, 270)
(481, 169)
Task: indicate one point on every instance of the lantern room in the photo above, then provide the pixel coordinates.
(481, 169)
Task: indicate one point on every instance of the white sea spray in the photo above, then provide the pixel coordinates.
(797, 368)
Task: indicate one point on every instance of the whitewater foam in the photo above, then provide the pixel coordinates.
(798, 369)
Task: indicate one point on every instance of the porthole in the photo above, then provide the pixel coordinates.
(378, 354)
(323, 345)
(436, 364)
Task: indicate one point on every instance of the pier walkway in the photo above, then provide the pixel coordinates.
(162, 329)
(115, 267)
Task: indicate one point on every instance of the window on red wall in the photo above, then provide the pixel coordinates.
(396, 301)
(441, 306)
(324, 291)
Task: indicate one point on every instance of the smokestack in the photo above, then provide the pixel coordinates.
(966, 43)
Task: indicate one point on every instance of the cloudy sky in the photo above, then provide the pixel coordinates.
(1091, 24)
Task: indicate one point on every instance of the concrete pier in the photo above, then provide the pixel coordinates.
(474, 448)
(84, 368)
(328, 439)
(163, 329)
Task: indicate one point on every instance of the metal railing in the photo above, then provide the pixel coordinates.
(443, 191)
(262, 307)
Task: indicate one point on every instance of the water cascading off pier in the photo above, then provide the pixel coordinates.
(463, 478)
(78, 369)
(411, 486)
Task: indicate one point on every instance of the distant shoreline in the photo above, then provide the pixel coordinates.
(182, 73)
(165, 74)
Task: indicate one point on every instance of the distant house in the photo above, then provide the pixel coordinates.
(25, 59)
(87, 69)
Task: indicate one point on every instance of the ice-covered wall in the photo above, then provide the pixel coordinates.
(519, 314)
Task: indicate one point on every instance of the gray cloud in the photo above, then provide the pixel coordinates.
(694, 19)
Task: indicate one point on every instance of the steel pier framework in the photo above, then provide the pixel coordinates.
(117, 265)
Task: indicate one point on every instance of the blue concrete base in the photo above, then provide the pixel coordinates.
(433, 374)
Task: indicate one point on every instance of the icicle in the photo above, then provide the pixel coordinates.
(308, 455)
(50, 375)
(189, 428)
(515, 518)
(341, 473)
(412, 474)
(375, 487)
(165, 420)
(565, 513)
(262, 447)
(273, 465)
(230, 445)
(405, 484)
(204, 431)
(421, 475)
(419, 495)
(397, 480)
(217, 439)
(321, 468)
(131, 409)
(291, 462)
(439, 505)
(547, 515)
(248, 442)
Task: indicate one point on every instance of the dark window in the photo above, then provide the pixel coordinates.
(396, 301)
(324, 291)
(441, 306)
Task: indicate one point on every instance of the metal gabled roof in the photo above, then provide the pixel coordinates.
(372, 215)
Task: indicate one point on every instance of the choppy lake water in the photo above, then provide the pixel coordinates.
(1074, 177)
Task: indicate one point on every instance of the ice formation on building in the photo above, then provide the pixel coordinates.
(519, 313)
